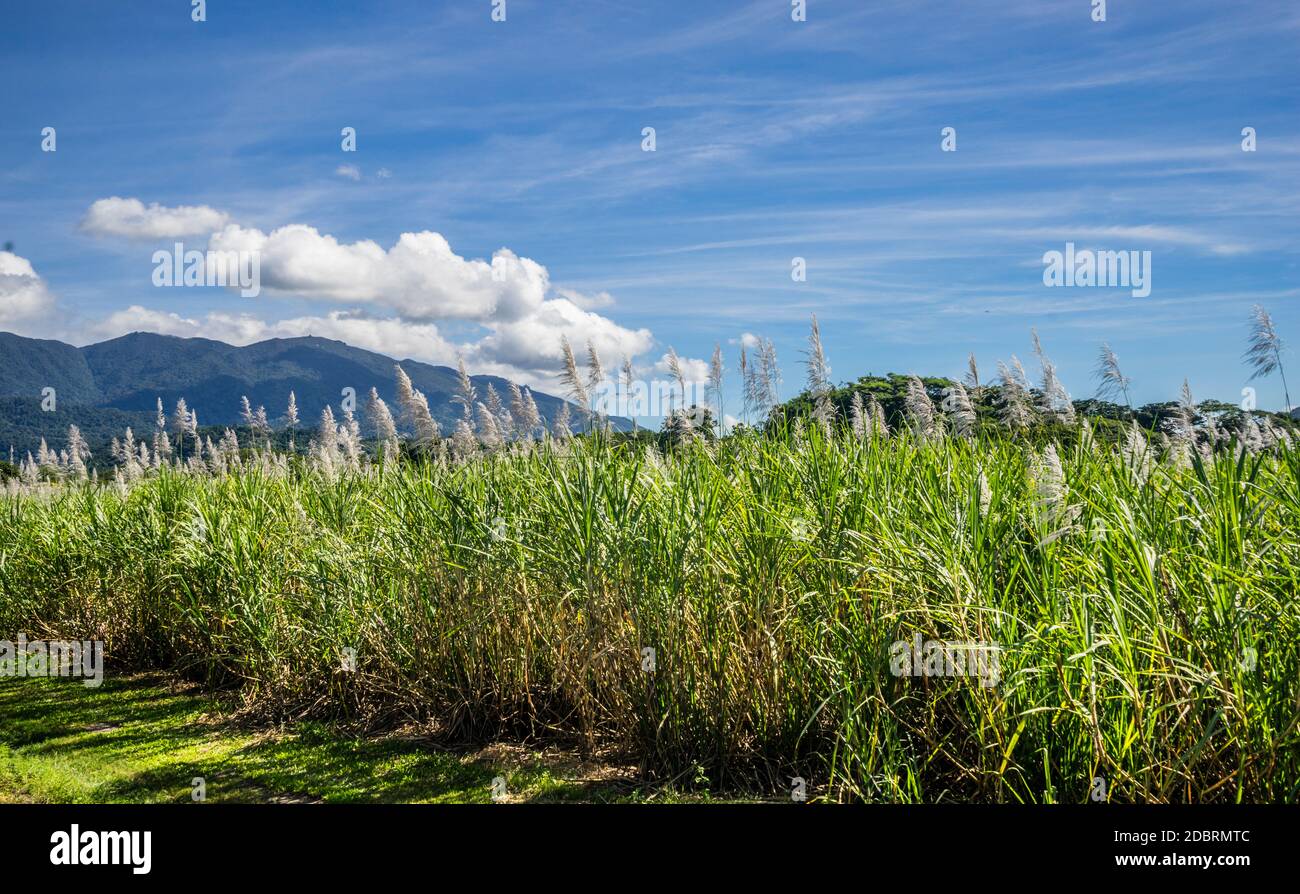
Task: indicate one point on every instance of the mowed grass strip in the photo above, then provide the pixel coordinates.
(144, 739)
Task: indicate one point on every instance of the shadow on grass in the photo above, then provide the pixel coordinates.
(138, 739)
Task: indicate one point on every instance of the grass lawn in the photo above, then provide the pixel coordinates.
(142, 739)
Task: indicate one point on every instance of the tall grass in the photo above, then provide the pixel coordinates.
(514, 595)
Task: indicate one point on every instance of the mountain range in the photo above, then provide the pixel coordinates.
(102, 388)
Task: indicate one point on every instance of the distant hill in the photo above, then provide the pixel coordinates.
(102, 388)
(28, 364)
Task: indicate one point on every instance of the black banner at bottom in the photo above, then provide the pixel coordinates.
(170, 843)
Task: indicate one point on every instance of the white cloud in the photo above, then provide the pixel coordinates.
(533, 342)
(527, 351)
(131, 218)
(695, 371)
(395, 297)
(352, 172)
(25, 301)
(587, 302)
(235, 330)
(1136, 237)
(393, 337)
(420, 277)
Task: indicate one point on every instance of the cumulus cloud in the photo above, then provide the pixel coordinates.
(526, 350)
(132, 219)
(233, 329)
(352, 172)
(396, 298)
(25, 301)
(587, 302)
(694, 370)
(533, 342)
(394, 337)
(420, 277)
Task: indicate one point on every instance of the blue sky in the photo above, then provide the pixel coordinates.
(775, 139)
